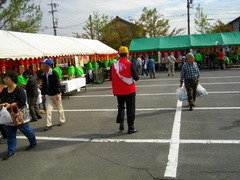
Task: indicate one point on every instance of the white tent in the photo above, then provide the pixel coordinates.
(95, 45)
(12, 47)
(16, 45)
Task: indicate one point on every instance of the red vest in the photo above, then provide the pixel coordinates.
(221, 56)
(119, 87)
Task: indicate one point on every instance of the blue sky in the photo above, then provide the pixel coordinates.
(72, 14)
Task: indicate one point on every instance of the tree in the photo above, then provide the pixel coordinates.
(94, 26)
(154, 24)
(115, 35)
(2, 2)
(220, 27)
(201, 22)
(20, 15)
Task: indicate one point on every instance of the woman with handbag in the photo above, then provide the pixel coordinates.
(14, 99)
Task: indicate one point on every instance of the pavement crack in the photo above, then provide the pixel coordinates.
(121, 165)
(215, 172)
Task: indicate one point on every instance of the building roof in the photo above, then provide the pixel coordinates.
(118, 19)
(235, 20)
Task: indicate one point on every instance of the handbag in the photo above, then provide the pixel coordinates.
(5, 116)
(19, 115)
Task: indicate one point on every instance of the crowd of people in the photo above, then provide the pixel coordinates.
(23, 96)
(215, 59)
(144, 66)
(23, 99)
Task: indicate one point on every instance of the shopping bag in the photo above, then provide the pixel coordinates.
(19, 115)
(201, 91)
(5, 116)
(181, 94)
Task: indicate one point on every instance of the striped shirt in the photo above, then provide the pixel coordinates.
(189, 71)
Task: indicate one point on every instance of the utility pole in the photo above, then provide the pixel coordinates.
(91, 27)
(188, 14)
(54, 20)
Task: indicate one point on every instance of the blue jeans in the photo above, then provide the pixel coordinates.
(11, 135)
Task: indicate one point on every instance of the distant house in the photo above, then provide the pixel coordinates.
(235, 24)
(121, 32)
(126, 24)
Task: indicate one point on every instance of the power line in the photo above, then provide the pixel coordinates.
(70, 18)
(71, 26)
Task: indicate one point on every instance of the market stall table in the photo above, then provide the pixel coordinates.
(73, 84)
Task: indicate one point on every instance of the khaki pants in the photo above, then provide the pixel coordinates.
(50, 100)
(171, 68)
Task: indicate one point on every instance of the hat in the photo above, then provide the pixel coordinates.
(123, 49)
(48, 62)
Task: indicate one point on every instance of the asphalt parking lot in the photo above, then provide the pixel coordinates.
(172, 142)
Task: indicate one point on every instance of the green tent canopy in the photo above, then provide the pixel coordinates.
(184, 42)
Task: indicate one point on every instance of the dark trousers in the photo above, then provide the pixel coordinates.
(144, 71)
(130, 104)
(212, 65)
(152, 73)
(191, 87)
(221, 64)
(44, 104)
(3, 131)
(199, 63)
(33, 109)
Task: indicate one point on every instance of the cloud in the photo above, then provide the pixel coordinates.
(73, 13)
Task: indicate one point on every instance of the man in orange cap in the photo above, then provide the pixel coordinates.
(124, 75)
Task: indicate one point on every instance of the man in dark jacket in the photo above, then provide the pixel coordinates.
(51, 91)
(32, 95)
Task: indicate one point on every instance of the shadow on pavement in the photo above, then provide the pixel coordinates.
(235, 124)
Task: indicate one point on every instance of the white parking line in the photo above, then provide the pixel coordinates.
(175, 79)
(150, 109)
(197, 141)
(175, 141)
(163, 85)
(171, 169)
(176, 85)
(156, 94)
(152, 141)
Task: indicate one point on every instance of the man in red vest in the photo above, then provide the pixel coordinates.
(124, 75)
(221, 55)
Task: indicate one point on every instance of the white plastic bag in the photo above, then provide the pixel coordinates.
(5, 116)
(181, 93)
(39, 99)
(201, 91)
